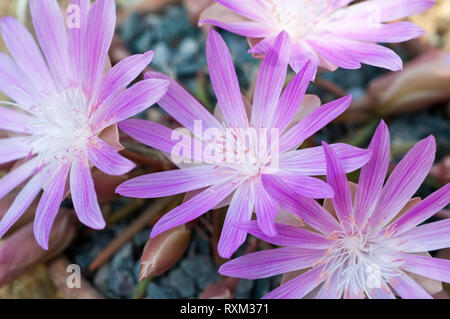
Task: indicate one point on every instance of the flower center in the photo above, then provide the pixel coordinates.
(249, 152)
(299, 17)
(362, 260)
(62, 127)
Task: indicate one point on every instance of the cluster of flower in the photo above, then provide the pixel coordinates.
(363, 242)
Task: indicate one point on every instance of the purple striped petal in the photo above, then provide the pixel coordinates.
(51, 33)
(15, 121)
(298, 287)
(407, 288)
(423, 210)
(14, 83)
(171, 182)
(311, 161)
(270, 262)
(265, 208)
(288, 236)
(306, 185)
(14, 148)
(107, 159)
(163, 138)
(27, 54)
(372, 175)
(121, 75)
(270, 82)
(434, 268)
(245, 28)
(49, 206)
(96, 41)
(250, 9)
(398, 9)
(315, 121)
(130, 102)
(22, 202)
(193, 208)
(84, 197)
(404, 181)
(426, 237)
(182, 106)
(239, 211)
(224, 81)
(306, 208)
(17, 176)
(75, 36)
(342, 200)
(292, 97)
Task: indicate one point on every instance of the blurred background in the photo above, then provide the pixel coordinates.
(414, 102)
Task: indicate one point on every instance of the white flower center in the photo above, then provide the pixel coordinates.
(299, 17)
(62, 127)
(249, 152)
(362, 260)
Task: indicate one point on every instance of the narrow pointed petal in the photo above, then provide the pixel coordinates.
(313, 123)
(423, 210)
(83, 193)
(266, 208)
(51, 33)
(22, 202)
(250, 9)
(49, 206)
(75, 37)
(307, 186)
(270, 82)
(342, 200)
(298, 287)
(289, 236)
(26, 53)
(170, 182)
(96, 41)
(293, 96)
(163, 138)
(14, 148)
(14, 83)
(130, 102)
(224, 81)
(404, 181)
(434, 268)
(240, 211)
(306, 208)
(183, 107)
(407, 288)
(428, 237)
(17, 176)
(121, 75)
(107, 159)
(312, 161)
(193, 208)
(15, 121)
(398, 9)
(271, 262)
(373, 174)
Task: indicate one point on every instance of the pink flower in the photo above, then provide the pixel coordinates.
(64, 102)
(328, 32)
(239, 184)
(362, 247)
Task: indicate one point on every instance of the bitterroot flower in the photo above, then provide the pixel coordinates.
(331, 33)
(239, 183)
(65, 105)
(368, 247)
